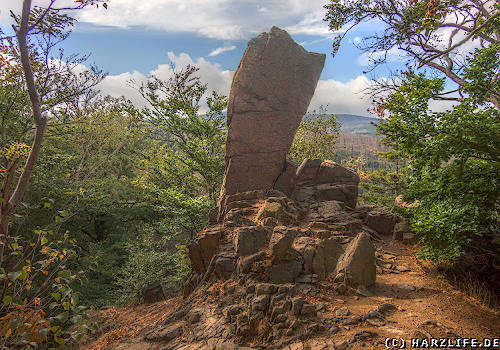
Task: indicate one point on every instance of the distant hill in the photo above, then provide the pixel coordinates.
(356, 124)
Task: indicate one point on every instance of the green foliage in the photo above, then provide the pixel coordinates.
(447, 226)
(38, 306)
(482, 73)
(381, 187)
(315, 137)
(180, 176)
(195, 141)
(119, 178)
(91, 155)
(453, 165)
(153, 257)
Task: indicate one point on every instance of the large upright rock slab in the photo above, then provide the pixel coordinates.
(270, 93)
(357, 263)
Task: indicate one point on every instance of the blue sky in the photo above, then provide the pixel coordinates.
(133, 39)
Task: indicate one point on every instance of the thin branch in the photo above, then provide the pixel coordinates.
(461, 42)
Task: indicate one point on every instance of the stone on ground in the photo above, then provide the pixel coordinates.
(357, 263)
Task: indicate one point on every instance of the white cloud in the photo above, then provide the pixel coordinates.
(220, 19)
(220, 50)
(216, 78)
(393, 55)
(340, 97)
(311, 24)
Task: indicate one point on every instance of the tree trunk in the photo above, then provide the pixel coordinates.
(4, 230)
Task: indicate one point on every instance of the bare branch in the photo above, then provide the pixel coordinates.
(461, 42)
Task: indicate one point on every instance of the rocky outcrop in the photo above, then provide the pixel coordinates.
(381, 221)
(270, 93)
(322, 181)
(280, 231)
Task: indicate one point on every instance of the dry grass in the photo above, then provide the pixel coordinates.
(127, 322)
(475, 289)
(466, 283)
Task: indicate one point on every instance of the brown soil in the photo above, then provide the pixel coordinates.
(433, 300)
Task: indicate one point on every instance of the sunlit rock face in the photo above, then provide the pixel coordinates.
(270, 93)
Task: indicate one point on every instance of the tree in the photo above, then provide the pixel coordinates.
(46, 91)
(195, 141)
(180, 175)
(452, 158)
(31, 271)
(315, 137)
(453, 166)
(432, 33)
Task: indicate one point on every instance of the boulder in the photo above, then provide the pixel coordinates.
(245, 263)
(153, 293)
(319, 180)
(194, 254)
(345, 193)
(281, 242)
(270, 93)
(202, 249)
(329, 209)
(381, 221)
(333, 251)
(285, 271)
(286, 181)
(308, 170)
(225, 265)
(357, 263)
(277, 211)
(208, 242)
(306, 246)
(249, 240)
(399, 230)
(331, 172)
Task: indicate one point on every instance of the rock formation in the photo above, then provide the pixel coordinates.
(270, 93)
(252, 269)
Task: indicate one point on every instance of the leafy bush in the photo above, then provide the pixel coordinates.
(315, 137)
(39, 308)
(453, 166)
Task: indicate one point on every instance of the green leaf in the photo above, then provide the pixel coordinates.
(43, 331)
(44, 241)
(64, 274)
(63, 316)
(23, 275)
(56, 296)
(13, 276)
(77, 336)
(7, 299)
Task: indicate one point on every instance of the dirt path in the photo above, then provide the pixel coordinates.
(426, 305)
